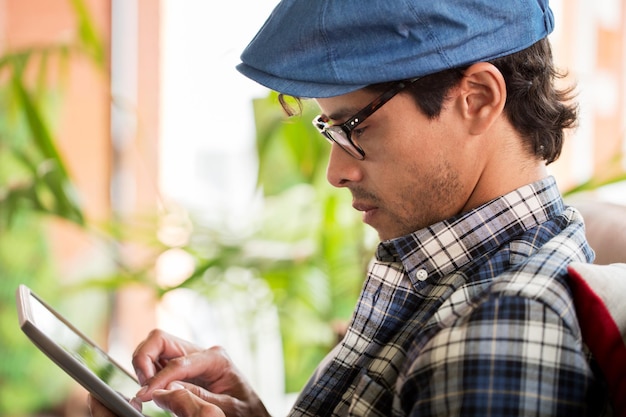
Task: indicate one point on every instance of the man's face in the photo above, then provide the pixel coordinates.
(416, 171)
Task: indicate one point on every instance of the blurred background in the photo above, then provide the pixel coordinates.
(145, 183)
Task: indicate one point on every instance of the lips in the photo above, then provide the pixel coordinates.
(363, 206)
(368, 211)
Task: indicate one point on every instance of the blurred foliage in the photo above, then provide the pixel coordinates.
(34, 185)
(32, 173)
(33, 176)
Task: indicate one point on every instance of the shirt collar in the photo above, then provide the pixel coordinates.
(449, 245)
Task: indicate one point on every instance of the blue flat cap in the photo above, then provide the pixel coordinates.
(326, 48)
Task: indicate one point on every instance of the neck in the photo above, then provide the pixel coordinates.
(509, 168)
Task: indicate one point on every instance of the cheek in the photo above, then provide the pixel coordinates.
(421, 139)
(430, 192)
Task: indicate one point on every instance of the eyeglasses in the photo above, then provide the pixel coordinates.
(342, 134)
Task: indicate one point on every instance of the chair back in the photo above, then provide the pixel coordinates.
(599, 293)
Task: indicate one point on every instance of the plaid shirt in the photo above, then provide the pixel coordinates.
(468, 317)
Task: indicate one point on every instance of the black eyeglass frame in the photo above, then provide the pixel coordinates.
(344, 130)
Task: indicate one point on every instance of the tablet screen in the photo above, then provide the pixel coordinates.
(81, 349)
(90, 356)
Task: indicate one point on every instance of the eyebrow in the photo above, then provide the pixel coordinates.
(342, 113)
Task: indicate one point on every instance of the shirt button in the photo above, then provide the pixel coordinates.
(421, 274)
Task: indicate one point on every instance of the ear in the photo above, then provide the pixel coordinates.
(482, 95)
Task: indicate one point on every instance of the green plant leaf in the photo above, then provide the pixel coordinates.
(54, 176)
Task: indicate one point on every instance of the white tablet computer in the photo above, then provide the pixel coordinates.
(79, 357)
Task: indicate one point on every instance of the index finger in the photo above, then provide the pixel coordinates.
(153, 353)
(210, 369)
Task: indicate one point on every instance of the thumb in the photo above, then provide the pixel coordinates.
(184, 403)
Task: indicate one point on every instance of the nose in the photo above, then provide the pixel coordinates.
(342, 168)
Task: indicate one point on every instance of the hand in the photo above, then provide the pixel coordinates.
(190, 381)
(156, 351)
(97, 409)
(188, 400)
(178, 400)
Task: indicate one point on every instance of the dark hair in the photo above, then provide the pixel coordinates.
(536, 108)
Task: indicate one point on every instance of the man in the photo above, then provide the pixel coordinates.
(442, 117)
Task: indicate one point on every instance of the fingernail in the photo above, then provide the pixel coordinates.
(136, 403)
(141, 377)
(142, 391)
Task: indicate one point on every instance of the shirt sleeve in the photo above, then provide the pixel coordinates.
(511, 356)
